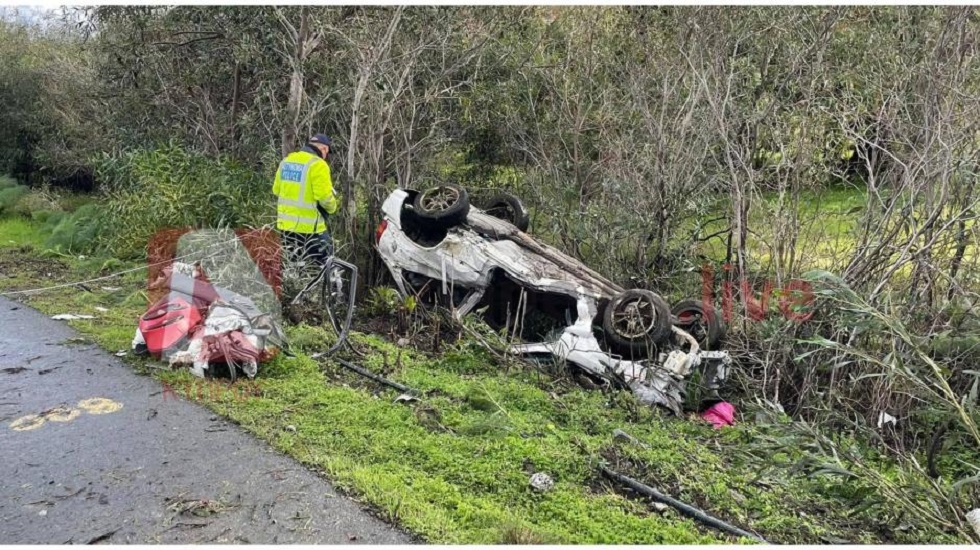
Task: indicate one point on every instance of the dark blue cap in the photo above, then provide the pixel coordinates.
(323, 139)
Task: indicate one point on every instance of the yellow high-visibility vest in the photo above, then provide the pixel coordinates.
(302, 182)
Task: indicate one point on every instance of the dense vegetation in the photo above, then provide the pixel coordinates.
(834, 144)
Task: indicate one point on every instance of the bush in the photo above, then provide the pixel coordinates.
(76, 232)
(172, 187)
(35, 201)
(10, 196)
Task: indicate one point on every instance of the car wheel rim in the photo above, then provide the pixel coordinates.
(693, 323)
(635, 319)
(503, 212)
(439, 199)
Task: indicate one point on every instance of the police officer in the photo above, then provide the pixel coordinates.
(306, 198)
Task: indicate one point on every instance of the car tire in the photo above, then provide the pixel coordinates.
(509, 208)
(702, 321)
(446, 205)
(636, 321)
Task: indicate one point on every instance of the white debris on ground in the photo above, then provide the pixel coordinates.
(885, 418)
(70, 317)
(541, 481)
(973, 518)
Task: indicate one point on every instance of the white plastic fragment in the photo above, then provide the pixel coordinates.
(885, 418)
(70, 317)
(541, 481)
(101, 309)
(405, 398)
(973, 518)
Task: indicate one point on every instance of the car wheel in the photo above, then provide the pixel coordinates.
(701, 321)
(510, 208)
(446, 205)
(636, 321)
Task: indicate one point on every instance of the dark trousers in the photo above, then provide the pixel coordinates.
(312, 247)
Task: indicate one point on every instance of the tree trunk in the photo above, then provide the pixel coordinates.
(235, 99)
(290, 129)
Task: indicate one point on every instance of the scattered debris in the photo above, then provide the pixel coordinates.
(620, 434)
(43, 513)
(111, 288)
(121, 353)
(197, 507)
(203, 325)
(101, 309)
(686, 509)
(70, 317)
(885, 418)
(659, 507)
(290, 428)
(405, 398)
(103, 537)
(973, 518)
(542, 482)
(720, 414)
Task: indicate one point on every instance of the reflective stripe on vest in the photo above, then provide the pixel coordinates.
(294, 173)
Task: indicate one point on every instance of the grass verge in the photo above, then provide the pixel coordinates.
(453, 467)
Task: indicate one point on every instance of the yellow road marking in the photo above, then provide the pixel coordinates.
(29, 422)
(99, 405)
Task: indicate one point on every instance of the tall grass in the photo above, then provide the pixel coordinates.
(172, 187)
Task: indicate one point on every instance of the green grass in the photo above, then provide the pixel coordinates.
(19, 231)
(827, 220)
(453, 467)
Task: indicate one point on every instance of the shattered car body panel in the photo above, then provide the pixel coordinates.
(470, 256)
(467, 257)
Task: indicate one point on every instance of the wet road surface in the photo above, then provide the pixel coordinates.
(92, 452)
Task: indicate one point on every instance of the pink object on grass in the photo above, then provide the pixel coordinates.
(720, 414)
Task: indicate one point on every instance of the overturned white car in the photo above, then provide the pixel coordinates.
(434, 242)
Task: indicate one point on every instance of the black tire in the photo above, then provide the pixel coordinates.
(445, 205)
(702, 321)
(636, 322)
(509, 208)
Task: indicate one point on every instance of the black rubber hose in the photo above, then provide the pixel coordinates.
(379, 379)
(686, 509)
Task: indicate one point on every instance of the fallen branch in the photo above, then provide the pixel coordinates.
(686, 509)
(379, 379)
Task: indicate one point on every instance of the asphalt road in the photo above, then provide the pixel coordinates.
(92, 452)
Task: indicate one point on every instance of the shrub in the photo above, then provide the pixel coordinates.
(76, 232)
(36, 200)
(10, 193)
(173, 187)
